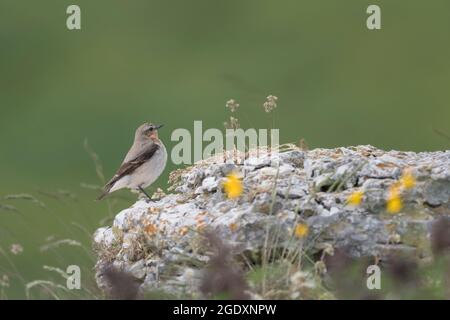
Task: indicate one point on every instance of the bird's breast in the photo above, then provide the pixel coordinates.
(148, 172)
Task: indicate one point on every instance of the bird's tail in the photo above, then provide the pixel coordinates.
(105, 192)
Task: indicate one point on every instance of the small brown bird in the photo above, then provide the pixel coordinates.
(143, 164)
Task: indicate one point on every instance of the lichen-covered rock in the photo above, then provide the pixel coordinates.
(162, 242)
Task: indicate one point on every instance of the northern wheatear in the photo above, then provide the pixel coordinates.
(143, 164)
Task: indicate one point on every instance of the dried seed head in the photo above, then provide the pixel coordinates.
(16, 249)
(232, 105)
(270, 103)
(232, 124)
(4, 281)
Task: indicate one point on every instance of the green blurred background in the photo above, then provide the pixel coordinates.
(174, 62)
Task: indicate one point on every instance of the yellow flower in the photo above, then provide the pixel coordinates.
(233, 186)
(301, 230)
(394, 201)
(355, 198)
(407, 179)
(394, 204)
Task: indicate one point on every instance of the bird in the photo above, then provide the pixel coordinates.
(143, 164)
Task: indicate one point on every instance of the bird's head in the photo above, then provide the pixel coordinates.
(148, 131)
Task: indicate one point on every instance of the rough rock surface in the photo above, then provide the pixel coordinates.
(161, 242)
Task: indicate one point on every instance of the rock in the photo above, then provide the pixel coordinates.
(163, 244)
(437, 192)
(227, 168)
(138, 269)
(209, 184)
(104, 236)
(258, 162)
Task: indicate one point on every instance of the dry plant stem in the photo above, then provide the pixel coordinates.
(82, 228)
(442, 134)
(273, 246)
(42, 205)
(44, 284)
(99, 171)
(269, 151)
(266, 240)
(61, 259)
(66, 200)
(12, 264)
(299, 260)
(50, 288)
(96, 159)
(247, 262)
(292, 237)
(295, 260)
(74, 293)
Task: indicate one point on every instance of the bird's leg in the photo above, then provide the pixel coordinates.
(143, 191)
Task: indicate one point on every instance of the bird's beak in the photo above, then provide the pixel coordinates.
(159, 126)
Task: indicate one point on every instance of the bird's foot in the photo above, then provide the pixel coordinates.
(148, 200)
(145, 196)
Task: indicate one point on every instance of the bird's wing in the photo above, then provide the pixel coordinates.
(130, 166)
